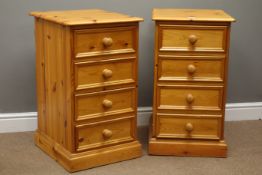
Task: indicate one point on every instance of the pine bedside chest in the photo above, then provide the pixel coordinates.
(191, 59)
(86, 65)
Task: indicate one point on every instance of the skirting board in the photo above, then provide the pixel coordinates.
(27, 121)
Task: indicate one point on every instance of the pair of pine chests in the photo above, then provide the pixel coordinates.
(191, 59)
(86, 66)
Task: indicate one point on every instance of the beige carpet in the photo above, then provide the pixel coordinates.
(19, 156)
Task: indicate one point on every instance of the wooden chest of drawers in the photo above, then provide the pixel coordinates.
(191, 59)
(86, 65)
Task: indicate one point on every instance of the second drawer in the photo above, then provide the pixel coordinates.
(194, 68)
(98, 104)
(104, 73)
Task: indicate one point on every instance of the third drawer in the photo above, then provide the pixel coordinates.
(105, 103)
(189, 97)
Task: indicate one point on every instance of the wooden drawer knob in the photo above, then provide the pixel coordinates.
(107, 103)
(107, 41)
(107, 133)
(189, 127)
(192, 39)
(191, 69)
(107, 73)
(189, 98)
(81, 139)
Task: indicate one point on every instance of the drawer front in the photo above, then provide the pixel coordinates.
(92, 42)
(189, 127)
(99, 104)
(193, 38)
(190, 69)
(104, 73)
(106, 133)
(190, 97)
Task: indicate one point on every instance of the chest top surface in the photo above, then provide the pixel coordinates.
(191, 15)
(82, 17)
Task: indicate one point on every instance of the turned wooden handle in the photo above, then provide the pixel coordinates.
(189, 127)
(107, 73)
(107, 103)
(191, 69)
(107, 41)
(107, 133)
(189, 98)
(81, 139)
(192, 39)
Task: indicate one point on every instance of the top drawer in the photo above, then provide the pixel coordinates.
(192, 38)
(102, 41)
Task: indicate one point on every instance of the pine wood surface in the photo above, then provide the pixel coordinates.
(87, 99)
(93, 105)
(191, 15)
(112, 131)
(90, 41)
(190, 80)
(200, 126)
(73, 162)
(84, 17)
(177, 68)
(209, 38)
(52, 82)
(178, 97)
(166, 147)
(92, 74)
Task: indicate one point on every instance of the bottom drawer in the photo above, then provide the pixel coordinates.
(189, 126)
(104, 133)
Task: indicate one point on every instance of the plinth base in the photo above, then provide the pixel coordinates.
(187, 148)
(79, 161)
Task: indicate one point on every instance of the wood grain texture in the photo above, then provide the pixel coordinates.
(202, 126)
(176, 68)
(40, 72)
(90, 42)
(91, 105)
(92, 135)
(73, 162)
(198, 15)
(91, 74)
(87, 102)
(187, 148)
(190, 80)
(177, 38)
(51, 92)
(175, 97)
(84, 17)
